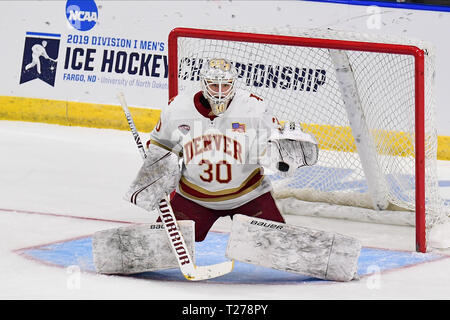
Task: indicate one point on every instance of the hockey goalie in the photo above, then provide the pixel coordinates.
(227, 142)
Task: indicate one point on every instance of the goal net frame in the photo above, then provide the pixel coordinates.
(287, 40)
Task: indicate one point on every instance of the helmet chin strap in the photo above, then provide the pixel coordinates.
(218, 108)
(218, 105)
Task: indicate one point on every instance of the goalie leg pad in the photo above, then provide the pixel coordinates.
(319, 254)
(138, 248)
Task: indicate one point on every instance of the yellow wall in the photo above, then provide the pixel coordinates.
(112, 117)
(75, 113)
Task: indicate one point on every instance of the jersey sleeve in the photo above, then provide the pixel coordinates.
(267, 155)
(269, 122)
(266, 123)
(164, 134)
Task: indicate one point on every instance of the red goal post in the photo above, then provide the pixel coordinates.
(272, 39)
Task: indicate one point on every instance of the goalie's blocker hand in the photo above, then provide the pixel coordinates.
(158, 177)
(296, 148)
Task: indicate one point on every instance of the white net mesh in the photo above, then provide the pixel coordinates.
(300, 84)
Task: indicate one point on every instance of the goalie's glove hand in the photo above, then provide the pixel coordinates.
(296, 148)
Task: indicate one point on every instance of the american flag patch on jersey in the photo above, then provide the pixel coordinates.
(239, 127)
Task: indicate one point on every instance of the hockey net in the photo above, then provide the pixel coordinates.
(367, 99)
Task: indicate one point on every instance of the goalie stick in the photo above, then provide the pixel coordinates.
(185, 262)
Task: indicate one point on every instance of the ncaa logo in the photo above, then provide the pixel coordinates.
(82, 14)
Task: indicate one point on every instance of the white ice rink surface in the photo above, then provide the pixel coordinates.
(51, 176)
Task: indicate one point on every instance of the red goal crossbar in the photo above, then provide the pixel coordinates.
(419, 61)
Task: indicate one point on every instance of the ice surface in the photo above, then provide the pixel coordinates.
(62, 183)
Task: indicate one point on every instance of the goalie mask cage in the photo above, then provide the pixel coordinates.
(367, 100)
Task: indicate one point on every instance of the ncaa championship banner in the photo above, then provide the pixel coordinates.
(65, 61)
(69, 59)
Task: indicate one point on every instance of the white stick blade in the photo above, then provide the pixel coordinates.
(209, 272)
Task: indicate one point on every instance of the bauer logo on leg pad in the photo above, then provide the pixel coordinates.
(157, 226)
(267, 224)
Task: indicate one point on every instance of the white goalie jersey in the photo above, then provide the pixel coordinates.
(221, 168)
